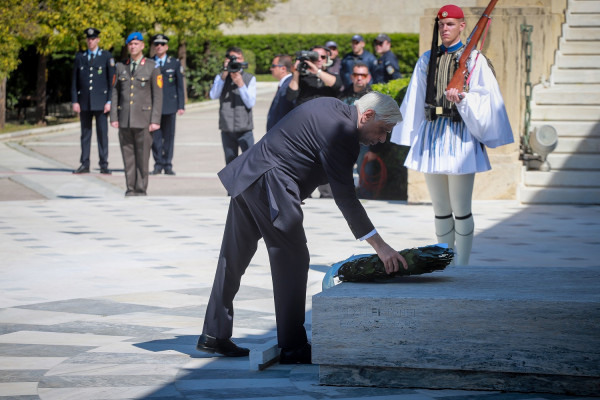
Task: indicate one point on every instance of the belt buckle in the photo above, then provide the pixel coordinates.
(439, 110)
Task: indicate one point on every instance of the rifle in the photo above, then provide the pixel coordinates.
(459, 78)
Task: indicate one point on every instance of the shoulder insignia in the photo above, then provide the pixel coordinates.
(159, 81)
(112, 62)
(390, 70)
(143, 61)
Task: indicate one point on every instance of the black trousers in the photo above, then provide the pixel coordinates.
(233, 142)
(164, 142)
(85, 118)
(269, 210)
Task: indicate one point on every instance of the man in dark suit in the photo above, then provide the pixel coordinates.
(315, 143)
(137, 100)
(173, 104)
(281, 69)
(91, 88)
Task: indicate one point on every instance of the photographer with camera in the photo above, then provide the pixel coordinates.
(236, 90)
(310, 78)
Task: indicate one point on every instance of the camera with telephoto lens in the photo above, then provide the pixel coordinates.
(234, 65)
(303, 56)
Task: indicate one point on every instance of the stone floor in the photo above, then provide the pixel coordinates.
(103, 297)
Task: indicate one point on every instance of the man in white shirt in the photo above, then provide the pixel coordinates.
(236, 90)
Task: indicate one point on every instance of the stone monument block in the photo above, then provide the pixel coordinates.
(481, 328)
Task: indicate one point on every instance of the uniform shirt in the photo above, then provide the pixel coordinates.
(386, 69)
(348, 61)
(137, 97)
(173, 95)
(92, 79)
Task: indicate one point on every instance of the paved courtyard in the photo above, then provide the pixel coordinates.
(103, 297)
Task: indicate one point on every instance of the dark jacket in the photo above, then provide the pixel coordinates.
(386, 69)
(280, 105)
(173, 96)
(92, 81)
(137, 99)
(348, 61)
(311, 87)
(316, 143)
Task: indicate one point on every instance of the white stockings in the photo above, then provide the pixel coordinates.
(451, 197)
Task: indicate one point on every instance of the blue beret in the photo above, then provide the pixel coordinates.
(134, 36)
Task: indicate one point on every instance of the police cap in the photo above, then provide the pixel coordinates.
(160, 38)
(91, 33)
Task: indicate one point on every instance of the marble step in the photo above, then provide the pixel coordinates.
(583, 7)
(581, 33)
(578, 61)
(578, 47)
(567, 94)
(589, 129)
(565, 112)
(583, 76)
(565, 179)
(581, 20)
(561, 195)
(564, 161)
(511, 328)
(578, 145)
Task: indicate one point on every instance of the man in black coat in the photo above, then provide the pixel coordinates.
(173, 105)
(281, 69)
(91, 89)
(316, 143)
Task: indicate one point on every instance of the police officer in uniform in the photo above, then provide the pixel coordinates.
(173, 104)
(387, 68)
(137, 108)
(91, 88)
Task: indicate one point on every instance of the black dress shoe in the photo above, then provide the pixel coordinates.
(156, 171)
(298, 355)
(82, 170)
(226, 347)
(106, 171)
(169, 172)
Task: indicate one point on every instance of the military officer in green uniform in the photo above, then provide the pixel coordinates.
(136, 111)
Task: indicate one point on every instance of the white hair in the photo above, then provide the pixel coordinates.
(386, 109)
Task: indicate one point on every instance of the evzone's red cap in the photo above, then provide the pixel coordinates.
(450, 11)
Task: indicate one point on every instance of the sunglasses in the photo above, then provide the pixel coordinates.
(276, 65)
(378, 43)
(357, 75)
(323, 57)
(159, 44)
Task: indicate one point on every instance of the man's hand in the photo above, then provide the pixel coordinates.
(76, 108)
(180, 111)
(115, 124)
(154, 127)
(454, 95)
(106, 108)
(236, 77)
(391, 258)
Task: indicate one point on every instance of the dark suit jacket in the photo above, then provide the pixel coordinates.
(92, 80)
(137, 99)
(280, 105)
(173, 98)
(316, 143)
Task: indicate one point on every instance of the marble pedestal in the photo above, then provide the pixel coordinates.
(482, 328)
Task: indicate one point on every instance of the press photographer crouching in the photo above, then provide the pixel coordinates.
(310, 78)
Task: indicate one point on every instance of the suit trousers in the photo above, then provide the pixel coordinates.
(164, 142)
(135, 148)
(232, 141)
(266, 209)
(85, 118)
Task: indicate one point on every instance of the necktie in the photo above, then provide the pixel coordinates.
(134, 64)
